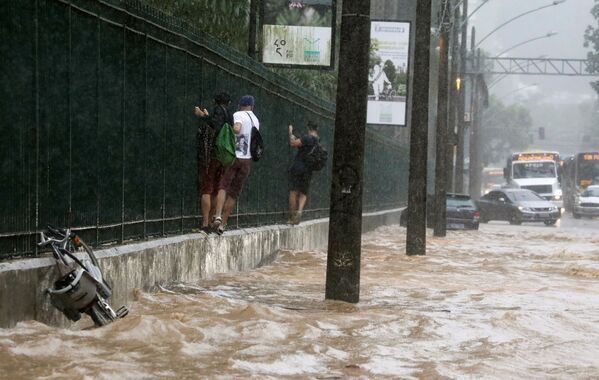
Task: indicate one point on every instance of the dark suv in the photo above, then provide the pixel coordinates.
(461, 213)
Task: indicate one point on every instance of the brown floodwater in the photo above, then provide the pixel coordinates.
(503, 302)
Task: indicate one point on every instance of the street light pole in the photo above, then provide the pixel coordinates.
(459, 162)
(453, 99)
(554, 3)
(466, 18)
(548, 35)
(475, 167)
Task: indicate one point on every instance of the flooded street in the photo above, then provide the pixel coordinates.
(502, 302)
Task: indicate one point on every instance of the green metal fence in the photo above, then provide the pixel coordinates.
(97, 130)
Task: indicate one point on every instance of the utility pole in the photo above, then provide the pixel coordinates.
(459, 166)
(474, 168)
(253, 27)
(441, 136)
(345, 222)
(416, 232)
(453, 100)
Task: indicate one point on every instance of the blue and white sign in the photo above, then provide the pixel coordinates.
(388, 72)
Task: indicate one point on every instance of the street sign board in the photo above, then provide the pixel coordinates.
(388, 72)
(298, 33)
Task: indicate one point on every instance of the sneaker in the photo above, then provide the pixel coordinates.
(220, 230)
(216, 222)
(206, 230)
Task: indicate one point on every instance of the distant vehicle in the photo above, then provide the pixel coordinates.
(580, 171)
(587, 203)
(492, 179)
(536, 171)
(517, 206)
(461, 213)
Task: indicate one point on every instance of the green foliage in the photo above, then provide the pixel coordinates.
(591, 39)
(227, 20)
(291, 17)
(373, 58)
(505, 129)
(398, 80)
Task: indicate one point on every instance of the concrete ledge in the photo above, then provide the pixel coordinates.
(185, 258)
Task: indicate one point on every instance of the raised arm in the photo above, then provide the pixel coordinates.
(293, 141)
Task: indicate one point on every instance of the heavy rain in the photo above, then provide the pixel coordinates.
(322, 189)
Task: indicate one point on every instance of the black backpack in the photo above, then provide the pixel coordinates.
(316, 159)
(256, 142)
(256, 145)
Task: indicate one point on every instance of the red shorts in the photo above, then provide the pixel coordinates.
(234, 177)
(210, 176)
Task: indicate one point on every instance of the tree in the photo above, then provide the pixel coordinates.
(505, 129)
(591, 38)
(228, 21)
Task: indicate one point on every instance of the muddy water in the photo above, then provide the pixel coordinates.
(503, 302)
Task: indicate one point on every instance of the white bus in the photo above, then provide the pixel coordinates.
(536, 171)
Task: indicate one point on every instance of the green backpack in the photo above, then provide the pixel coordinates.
(224, 145)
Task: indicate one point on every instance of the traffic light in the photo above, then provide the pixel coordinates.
(541, 133)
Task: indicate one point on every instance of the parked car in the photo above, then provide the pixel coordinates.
(517, 206)
(587, 203)
(461, 213)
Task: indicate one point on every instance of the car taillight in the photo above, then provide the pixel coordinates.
(476, 214)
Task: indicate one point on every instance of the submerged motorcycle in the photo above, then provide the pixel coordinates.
(81, 288)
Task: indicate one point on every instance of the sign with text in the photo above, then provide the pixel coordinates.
(388, 72)
(298, 33)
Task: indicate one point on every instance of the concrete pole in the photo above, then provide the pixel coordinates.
(345, 223)
(441, 163)
(416, 232)
(459, 166)
(475, 166)
(453, 101)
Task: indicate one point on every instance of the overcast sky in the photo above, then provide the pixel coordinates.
(568, 19)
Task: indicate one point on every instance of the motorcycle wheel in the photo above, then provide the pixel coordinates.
(101, 313)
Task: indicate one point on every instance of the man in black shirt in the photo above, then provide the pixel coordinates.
(300, 174)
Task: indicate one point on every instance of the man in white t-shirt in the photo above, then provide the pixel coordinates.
(231, 184)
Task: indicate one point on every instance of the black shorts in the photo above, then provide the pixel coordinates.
(299, 180)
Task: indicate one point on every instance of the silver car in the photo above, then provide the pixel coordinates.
(587, 202)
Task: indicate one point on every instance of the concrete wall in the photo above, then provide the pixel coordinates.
(186, 258)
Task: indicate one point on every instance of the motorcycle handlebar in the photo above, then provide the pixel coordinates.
(45, 240)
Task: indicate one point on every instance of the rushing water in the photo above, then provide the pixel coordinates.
(503, 302)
